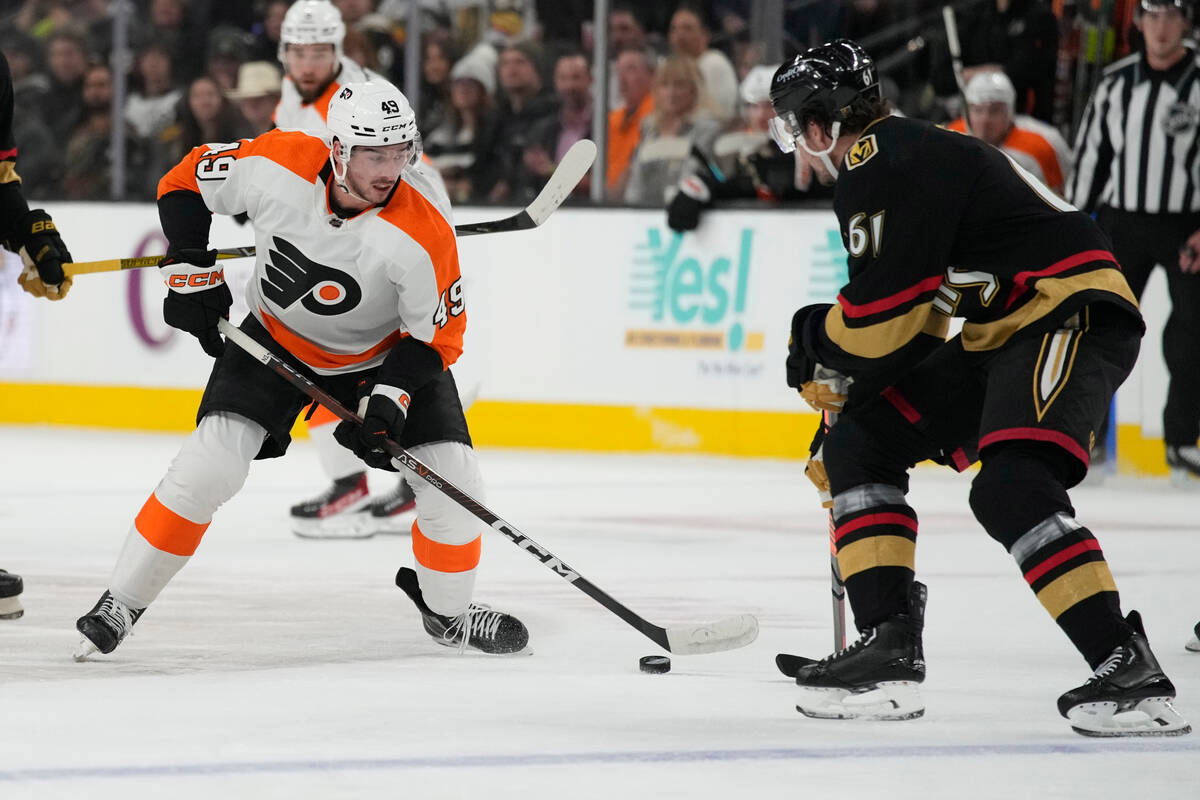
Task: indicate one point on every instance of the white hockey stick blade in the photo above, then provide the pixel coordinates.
(570, 171)
(728, 633)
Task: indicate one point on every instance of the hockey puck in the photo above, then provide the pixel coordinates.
(655, 665)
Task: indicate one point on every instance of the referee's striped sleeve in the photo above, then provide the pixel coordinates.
(1093, 151)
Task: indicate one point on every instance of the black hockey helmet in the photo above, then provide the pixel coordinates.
(824, 84)
(1184, 6)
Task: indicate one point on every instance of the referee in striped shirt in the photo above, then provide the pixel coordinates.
(1137, 165)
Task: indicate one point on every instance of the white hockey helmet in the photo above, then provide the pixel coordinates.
(372, 114)
(991, 86)
(312, 22)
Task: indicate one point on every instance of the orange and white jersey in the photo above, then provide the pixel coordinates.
(337, 293)
(1037, 147)
(293, 114)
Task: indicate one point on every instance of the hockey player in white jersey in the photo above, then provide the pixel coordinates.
(357, 282)
(310, 49)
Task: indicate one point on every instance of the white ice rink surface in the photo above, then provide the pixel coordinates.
(276, 667)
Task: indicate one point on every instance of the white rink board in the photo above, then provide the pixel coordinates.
(550, 310)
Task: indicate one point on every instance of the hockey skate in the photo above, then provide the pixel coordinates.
(1128, 695)
(1184, 463)
(389, 514)
(337, 512)
(480, 628)
(105, 626)
(876, 677)
(1194, 643)
(10, 595)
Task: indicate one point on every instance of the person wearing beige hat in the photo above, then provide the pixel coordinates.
(257, 93)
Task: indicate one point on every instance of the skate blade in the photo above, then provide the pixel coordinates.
(10, 608)
(1153, 716)
(1181, 478)
(472, 651)
(348, 526)
(84, 650)
(399, 524)
(888, 700)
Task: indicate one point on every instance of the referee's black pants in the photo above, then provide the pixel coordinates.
(1140, 241)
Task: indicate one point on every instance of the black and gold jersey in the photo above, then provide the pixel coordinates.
(12, 202)
(938, 225)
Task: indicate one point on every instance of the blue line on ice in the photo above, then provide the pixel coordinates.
(630, 757)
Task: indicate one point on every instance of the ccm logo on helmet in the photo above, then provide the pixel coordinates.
(196, 280)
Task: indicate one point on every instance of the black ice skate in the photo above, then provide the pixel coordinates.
(1128, 695)
(876, 677)
(1194, 643)
(10, 595)
(334, 513)
(480, 628)
(389, 514)
(105, 626)
(1184, 463)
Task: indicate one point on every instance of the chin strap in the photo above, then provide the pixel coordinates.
(340, 177)
(834, 131)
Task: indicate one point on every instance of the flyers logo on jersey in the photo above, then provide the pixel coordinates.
(861, 152)
(291, 276)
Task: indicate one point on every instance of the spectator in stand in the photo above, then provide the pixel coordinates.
(257, 93)
(689, 36)
(451, 145)
(745, 164)
(626, 31)
(266, 33)
(151, 107)
(551, 138)
(227, 48)
(635, 81)
(1036, 146)
(1018, 37)
(498, 169)
(168, 24)
(682, 118)
(436, 61)
(87, 165)
(204, 115)
(41, 154)
(357, 47)
(359, 15)
(66, 59)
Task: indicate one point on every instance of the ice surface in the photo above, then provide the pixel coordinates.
(276, 667)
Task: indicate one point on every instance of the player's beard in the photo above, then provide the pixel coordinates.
(308, 97)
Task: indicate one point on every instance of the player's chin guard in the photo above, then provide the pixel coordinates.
(312, 22)
(370, 115)
(826, 85)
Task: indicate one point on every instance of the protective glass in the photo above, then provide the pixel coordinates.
(785, 130)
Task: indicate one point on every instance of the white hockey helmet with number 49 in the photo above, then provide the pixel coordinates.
(371, 114)
(312, 22)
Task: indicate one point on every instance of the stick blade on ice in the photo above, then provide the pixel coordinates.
(728, 633)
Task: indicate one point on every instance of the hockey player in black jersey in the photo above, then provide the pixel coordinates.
(941, 225)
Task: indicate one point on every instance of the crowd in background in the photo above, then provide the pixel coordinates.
(506, 85)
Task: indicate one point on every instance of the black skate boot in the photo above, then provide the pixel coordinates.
(480, 628)
(1184, 463)
(1194, 643)
(876, 677)
(1128, 695)
(389, 514)
(334, 513)
(105, 626)
(10, 595)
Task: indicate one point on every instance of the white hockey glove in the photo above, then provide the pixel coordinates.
(814, 470)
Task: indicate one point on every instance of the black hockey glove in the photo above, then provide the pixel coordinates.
(800, 365)
(683, 213)
(197, 295)
(383, 412)
(36, 239)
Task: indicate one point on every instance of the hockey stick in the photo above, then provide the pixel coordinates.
(566, 176)
(724, 634)
(951, 24)
(836, 584)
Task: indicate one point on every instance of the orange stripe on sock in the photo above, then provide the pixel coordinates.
(322, 416)
(167, 531)
(445, 557)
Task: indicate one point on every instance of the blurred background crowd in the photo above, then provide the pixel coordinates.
(111, 93)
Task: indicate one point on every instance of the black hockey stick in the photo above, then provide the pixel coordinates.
(724, 634)
(565, 178)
